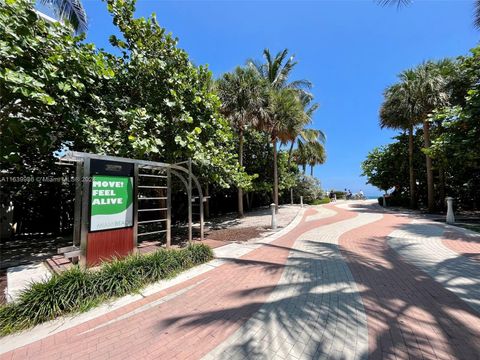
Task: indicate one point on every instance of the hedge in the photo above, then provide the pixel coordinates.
(77, 290)
(324, 200)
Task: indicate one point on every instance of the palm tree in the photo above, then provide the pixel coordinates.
(316, 155)
(276, 71)
(397, 112)
(296, 132)
(243, 95)
(283, 104)
(430, 92)
(310, 153)
(70, 10)
(420, 91)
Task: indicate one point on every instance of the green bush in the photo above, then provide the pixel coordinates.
(325, 200)
(77, 289)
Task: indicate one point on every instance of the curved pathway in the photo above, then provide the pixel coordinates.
(348, 281)
(421, 244)
(315, 309)
(410, 315)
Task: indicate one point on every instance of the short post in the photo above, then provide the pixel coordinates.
(384, 201)
(274, 217)
(450, 215)
(301, 201)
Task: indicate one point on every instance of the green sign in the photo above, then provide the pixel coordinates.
(111, 204)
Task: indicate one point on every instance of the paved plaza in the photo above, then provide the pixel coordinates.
(342, 281)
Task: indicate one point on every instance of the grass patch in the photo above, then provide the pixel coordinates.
(469, 226)
(77, 290)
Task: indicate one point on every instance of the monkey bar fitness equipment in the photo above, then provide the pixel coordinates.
(120, 200)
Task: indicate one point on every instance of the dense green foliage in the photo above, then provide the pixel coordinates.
(148, 101)
(309, 187)
(77, 290)
(58, 92)
(454, 131)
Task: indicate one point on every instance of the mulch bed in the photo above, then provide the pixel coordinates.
(234, 234)
(3, 286)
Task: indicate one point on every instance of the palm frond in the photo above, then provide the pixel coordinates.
(477, 14)
(397, 3)
(301, 84)
(70, 10)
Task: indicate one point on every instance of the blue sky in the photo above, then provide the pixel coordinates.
(350, 50)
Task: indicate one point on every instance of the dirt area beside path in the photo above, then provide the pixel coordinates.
(253, 225)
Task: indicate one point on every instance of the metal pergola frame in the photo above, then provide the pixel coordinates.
(82, 194)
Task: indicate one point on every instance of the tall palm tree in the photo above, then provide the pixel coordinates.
(420, 91)
(283, 104)
(276, 71)
(243, 95)
(430, 91)
(70, 10)
(397, 112)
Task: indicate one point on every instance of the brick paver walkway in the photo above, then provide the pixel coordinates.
(410, 315)
(345, 283)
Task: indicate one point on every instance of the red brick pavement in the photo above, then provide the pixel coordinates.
(462, 244)
(188, 326)
(409, 315)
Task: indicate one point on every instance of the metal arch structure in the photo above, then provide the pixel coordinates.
(83, 196)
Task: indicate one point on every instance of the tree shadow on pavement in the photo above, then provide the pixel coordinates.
(318, 309)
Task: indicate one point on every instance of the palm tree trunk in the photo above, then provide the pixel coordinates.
(240, 160)
(275, 175)
(441, 181)
(428, 159)
(413, 202)
(290, 151)
(311, 170)
(207, 203)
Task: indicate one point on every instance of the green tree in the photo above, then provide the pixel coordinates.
(456, 144)
(50, 82)
(161, 106)
(310, 153)
(421, 90)
(296, 131)
(58, 92)
(276, 71)
(243, 95)
(387, 166)
(398, 112)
